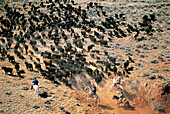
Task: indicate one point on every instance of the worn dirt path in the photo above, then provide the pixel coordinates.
(109, 105)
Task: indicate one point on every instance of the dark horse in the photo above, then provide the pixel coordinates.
(120, 100)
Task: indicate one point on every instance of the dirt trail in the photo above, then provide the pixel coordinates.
(109, 105)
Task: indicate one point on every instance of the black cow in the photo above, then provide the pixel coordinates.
(8, 45)
(60, 49)
(101, 29)
(52, 48)
(90, 47)
(16, 46)
(131, 60)
(55, 56)
(48, 63)
(3, 52)
(20, 72)
(26, 49)
(32, 53)
(33, 43)
(112, 59)
(35, 49)
(37, 65)
(17, 66)
(11, 58)
(3, 40)
(114, 69)
(17, 53)
(126, 64)
(38, 59)
(43, 42)
(98, 79)
(104, 42)
(29, 66)
(6, 69)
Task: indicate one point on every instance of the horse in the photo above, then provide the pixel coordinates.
(36, 89)
(117, 85)
(95, 96)
(119, 101)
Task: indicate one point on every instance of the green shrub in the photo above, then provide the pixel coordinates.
(8, 93)
(25, 88)
(36, 106)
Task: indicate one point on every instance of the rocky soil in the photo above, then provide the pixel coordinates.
(145, 81)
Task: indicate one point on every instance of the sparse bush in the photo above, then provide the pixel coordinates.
(159, 108)
(165, 69)
(154, 61)
(25, 88)
(61, 107)
(15, 84)
(30, 78)
(60, 99)
(1, 1)
(15, 0)
(36, 106)
(159, 76)
(65, 91)
(8, 82)
(21, 95)
(66, 111)
(47, 102)
(56, 85)
(44, 95)
(9, 112)
(152, 99)
(152, 76)
(1, 111)
(145, 74)
(8, 93)
(48, 106)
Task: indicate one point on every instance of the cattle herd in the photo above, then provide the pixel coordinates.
(55, 33)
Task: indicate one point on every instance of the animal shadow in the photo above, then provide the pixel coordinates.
(12, 75)
(106, 107)
(44, 95)
(132, 108)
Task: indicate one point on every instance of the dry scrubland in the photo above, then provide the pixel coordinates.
(48, 27)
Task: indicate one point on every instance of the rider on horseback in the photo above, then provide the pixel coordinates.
(93, 92)
(35, 82)
(117, 83)
(121, 97)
